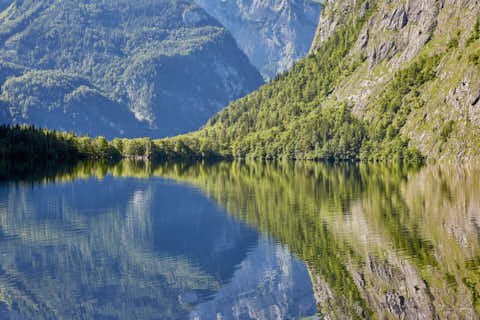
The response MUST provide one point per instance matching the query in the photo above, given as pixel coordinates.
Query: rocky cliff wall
(398, 33)
(273, 33)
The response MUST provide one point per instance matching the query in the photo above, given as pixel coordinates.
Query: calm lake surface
(240, 240)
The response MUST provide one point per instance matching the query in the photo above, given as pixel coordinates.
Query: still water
(236, 240)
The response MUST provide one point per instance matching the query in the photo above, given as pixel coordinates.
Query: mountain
(63, 101)
(384, 80)
(117, 68)
(273, 33)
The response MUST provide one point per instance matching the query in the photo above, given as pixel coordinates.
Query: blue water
(130, 248)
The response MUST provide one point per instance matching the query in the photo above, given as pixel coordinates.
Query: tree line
(26, 142)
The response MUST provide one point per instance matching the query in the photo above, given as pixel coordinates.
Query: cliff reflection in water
(379, 241)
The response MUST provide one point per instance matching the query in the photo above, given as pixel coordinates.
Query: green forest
(292, 117)
(25, 142)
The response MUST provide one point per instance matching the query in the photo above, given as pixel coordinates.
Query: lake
(240, 240)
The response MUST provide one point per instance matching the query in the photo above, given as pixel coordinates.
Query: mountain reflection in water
(89, 245)
(378, 241)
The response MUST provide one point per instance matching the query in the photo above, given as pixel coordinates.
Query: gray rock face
(273, 33)
(397, 33)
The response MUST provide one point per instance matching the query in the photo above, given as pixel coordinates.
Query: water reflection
(379, 242)
(88, 244)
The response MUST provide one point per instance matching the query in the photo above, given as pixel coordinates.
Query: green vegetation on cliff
(383, 83)
(285, 119)
(294, 117)
(393, 106)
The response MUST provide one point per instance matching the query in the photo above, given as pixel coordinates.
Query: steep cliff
(168, 62)
(273, 33)
(440, 117)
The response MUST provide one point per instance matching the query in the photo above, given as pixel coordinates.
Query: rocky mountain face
(273, 33)
(117, 68)
(443, 116)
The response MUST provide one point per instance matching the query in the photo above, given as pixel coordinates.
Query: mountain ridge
(168, 62)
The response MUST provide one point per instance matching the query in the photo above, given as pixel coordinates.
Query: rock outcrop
(273, 33)
(395, 35)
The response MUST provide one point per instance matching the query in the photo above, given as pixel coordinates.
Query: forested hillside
(117, 68)
(385, 80)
